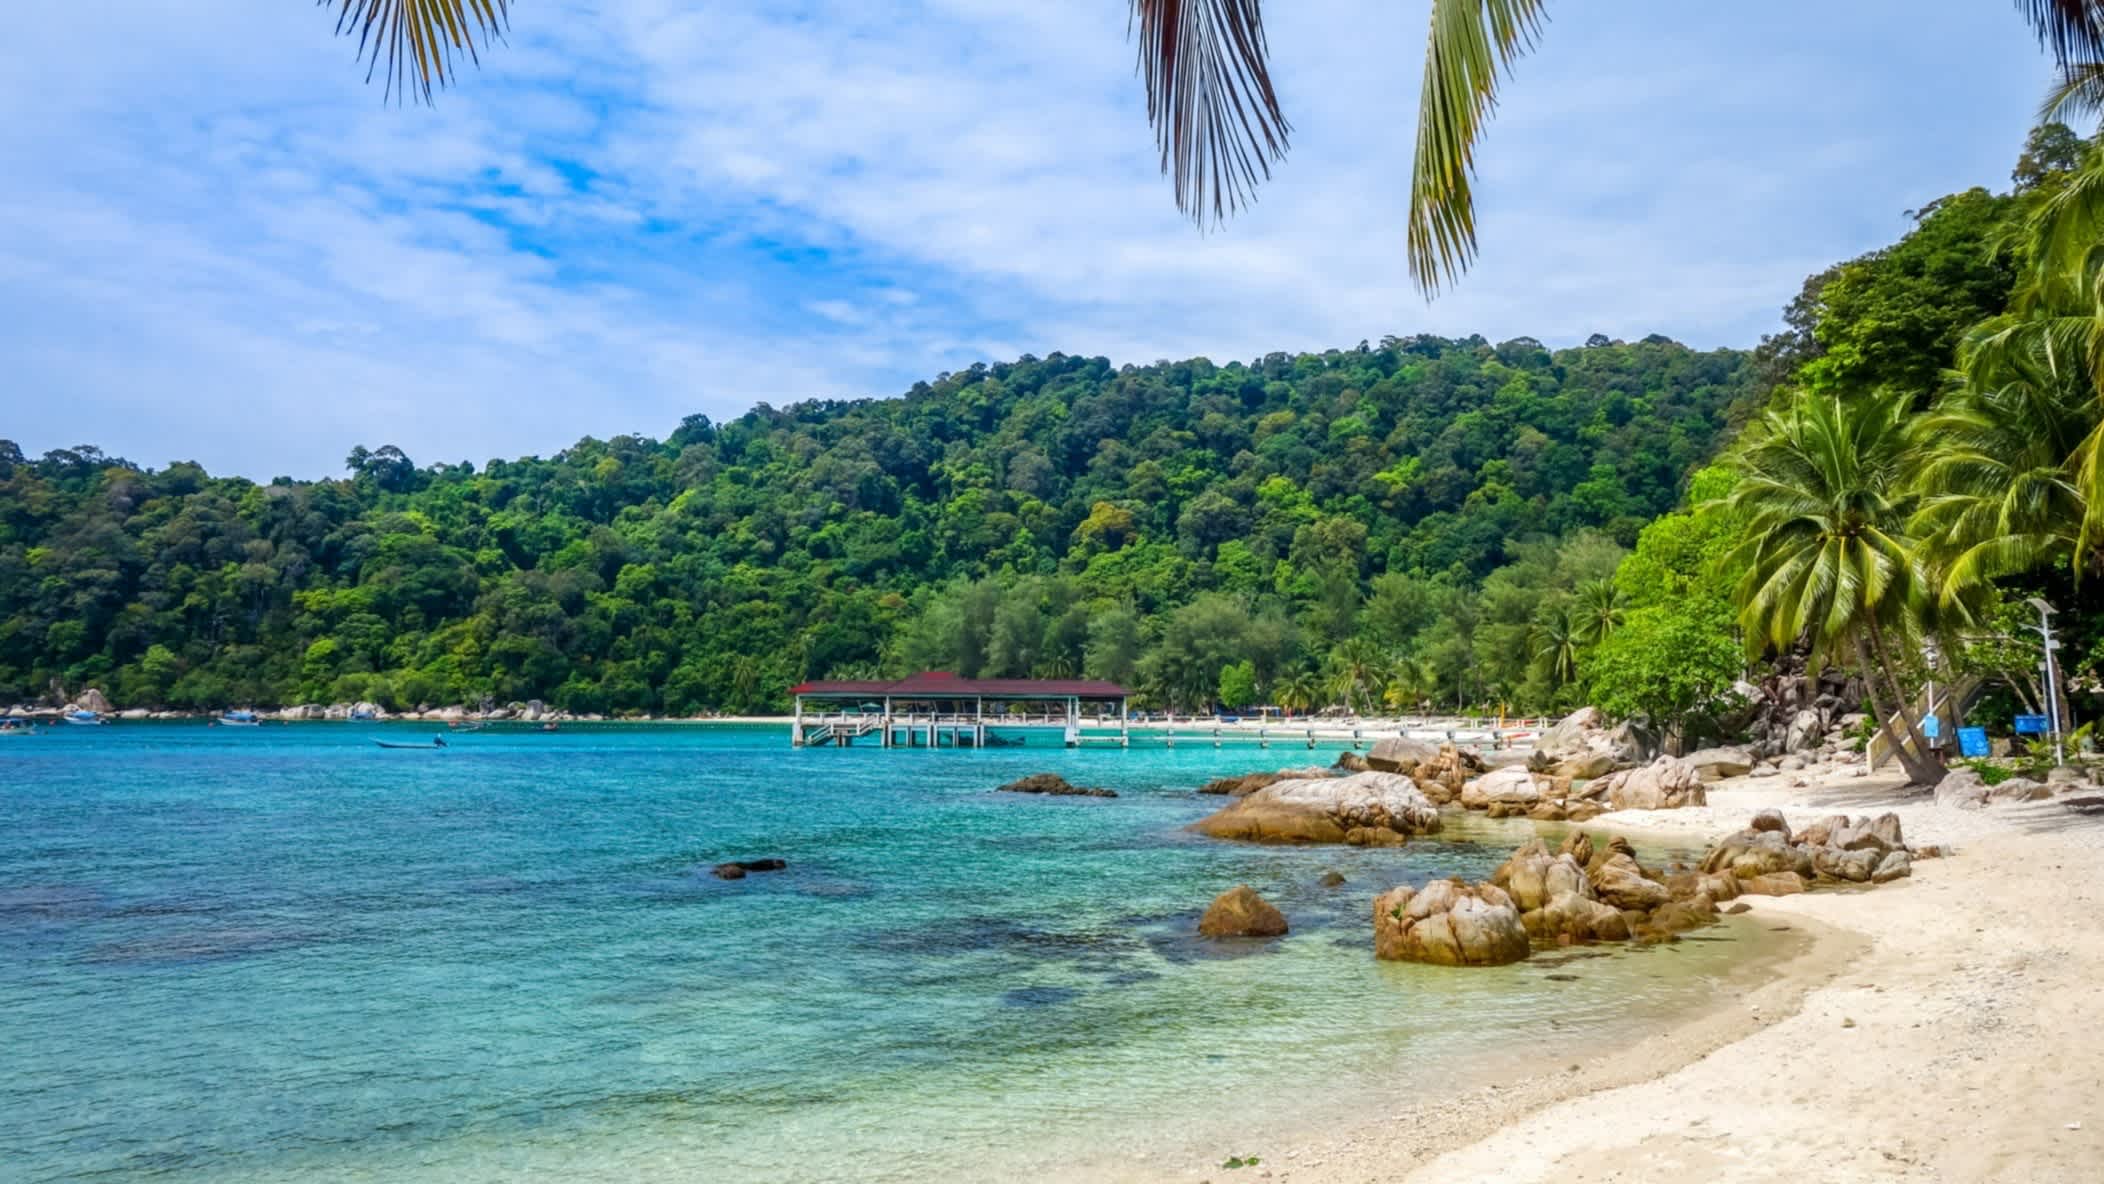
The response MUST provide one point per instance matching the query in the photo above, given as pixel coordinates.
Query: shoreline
(1881, 1050)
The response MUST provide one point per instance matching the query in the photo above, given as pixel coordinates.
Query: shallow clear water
(285, 953)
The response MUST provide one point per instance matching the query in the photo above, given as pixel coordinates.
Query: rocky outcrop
(1769, 858)
(1584, 766)
(93, 700)
(1572, 734)
(1512, 785)
(1715, 764)
(1448, 923)
(1441, 778)
(1324, 810)
(1055, 785)
(1665, 784)
(737, 869)
(1240, 912)
(1400, 754)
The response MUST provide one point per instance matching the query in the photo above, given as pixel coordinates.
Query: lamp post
(2045, 634)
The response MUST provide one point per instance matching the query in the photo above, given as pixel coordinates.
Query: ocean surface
(284, 953)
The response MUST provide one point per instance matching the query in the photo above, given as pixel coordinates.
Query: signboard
(2031, 725)
(1972, 742)
(1931, 727)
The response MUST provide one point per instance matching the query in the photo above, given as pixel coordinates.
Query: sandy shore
(1938, 1029)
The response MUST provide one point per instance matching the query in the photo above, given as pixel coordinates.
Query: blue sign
(2031, 725)
(1973, 742)
(1931, 727)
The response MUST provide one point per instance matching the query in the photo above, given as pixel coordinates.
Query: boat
(84, 718)
(17, 727)
(239, 719)
(436, 743)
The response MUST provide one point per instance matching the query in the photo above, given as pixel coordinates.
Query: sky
(219, 243)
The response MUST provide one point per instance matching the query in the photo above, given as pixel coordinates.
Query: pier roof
(939, 684)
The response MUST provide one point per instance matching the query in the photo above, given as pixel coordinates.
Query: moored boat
(84, 718)
(239, 719)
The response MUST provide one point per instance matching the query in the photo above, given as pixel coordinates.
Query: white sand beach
(1942, 1028)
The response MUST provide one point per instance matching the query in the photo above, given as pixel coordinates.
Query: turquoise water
(284, 953)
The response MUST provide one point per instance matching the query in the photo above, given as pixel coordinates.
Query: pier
(941, 710)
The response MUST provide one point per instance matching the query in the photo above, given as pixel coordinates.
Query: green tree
(1238, 685)
(1671, 664)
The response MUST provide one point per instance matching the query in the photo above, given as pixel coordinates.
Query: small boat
(437, 742)
(17, 727)
(239, 719)
(84, 718)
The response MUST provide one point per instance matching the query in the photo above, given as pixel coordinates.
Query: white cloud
(642, 208)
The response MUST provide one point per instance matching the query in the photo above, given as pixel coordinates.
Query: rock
(1579, 846)
(1820, 832)
(1620, 882)
(1332, 879)
(1582, 811)
(736, 869)
(1736, 907)
(1352, 762)
(1571, 735)
(2063, 776)
(1372, 836)
(1859, 835)
(1512, 785)
(1569, 915)
(1630, 745)
(1791, 764)
(1441, 779)
(1054, 785)
(1584, 766)
(1851, 866)
(1664, 784)
(1961, 789)
(1714, 764)
(93, 700)
(1773, 884)
(1400, 754)
(1448, 923)
(1242, 786)
(1324, 809)
(1804, 731)
(1240, 912)
(1523, 874)
(1895, 865)
(2020, 789)
(1679, 916)
(1771, 819)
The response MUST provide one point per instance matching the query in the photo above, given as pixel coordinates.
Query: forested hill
(1160, 524)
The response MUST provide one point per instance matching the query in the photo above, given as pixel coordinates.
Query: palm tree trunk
(1922, 769)
(1877, 706)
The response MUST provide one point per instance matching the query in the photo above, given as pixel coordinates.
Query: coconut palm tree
(1599, 610)
(1825, 497)
(1356, 669)
(1300, 693)
(1555, 638)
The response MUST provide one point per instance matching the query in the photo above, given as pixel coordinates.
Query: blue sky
(217, 243)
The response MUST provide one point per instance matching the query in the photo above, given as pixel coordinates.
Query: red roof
(940, 684)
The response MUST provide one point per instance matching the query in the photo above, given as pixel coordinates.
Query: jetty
(937, 709)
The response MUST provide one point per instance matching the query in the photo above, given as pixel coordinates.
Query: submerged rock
(1324, 810)
(1448, 923)
(1240, 912)
(1054, 785)
(736, 869)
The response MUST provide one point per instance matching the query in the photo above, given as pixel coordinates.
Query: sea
(285, 953)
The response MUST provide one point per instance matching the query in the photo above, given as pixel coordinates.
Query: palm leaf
(2072, 30)
(1471, 44)
(1210, 99)
(419, 40)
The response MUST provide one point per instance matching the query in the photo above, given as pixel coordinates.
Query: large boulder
(1630, 744)
(1512, 785)
(1775, 884)
(1532, 876)
(1575, 917)
(1054, 785)
(1442, 777)
(1400, 754)
(1805, 730)
(1448, 923)
(93, 700)
(1664, 784)
(1324, 810)
(1573, 734)
(1715, 764)
(1620, 882)
(1962, 789)
(1240, 912)
(2020, 789)
(1584, 766)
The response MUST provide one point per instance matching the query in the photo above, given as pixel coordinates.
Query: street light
(2045, 633)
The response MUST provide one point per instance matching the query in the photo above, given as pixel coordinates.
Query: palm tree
(2000, 469)
(1824, 496)
(1600, 610)
(1300, 692)
(1356, 667)
(1556, 636)
(1411, 681)
(1216, 116)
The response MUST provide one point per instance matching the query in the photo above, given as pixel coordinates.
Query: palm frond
(1215, 113)
(419, 40)
(2071, 30)
(2077, 94)
(1471, 44)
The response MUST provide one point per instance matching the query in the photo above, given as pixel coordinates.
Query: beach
(1937, 1029)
